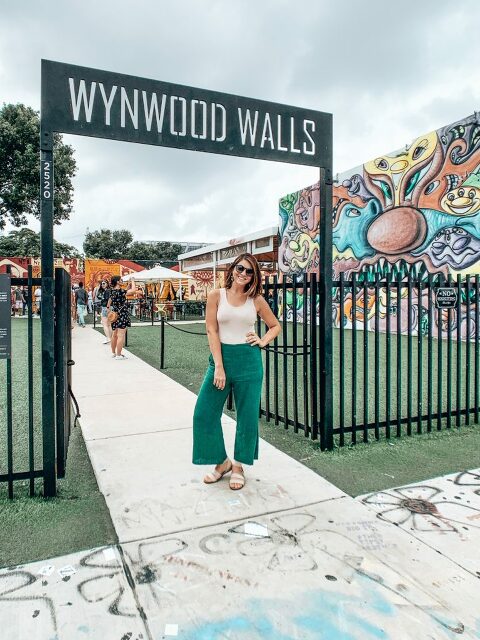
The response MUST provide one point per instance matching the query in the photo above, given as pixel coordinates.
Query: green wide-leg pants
(244, 374)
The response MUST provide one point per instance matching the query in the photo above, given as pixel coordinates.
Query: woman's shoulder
(214, 294)
(259, 300)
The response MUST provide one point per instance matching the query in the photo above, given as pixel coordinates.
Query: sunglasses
(240, 269)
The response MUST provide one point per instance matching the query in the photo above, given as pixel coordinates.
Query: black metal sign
(91, 102)
(445, 298)
(5, 317)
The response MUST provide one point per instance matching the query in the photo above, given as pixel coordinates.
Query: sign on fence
(5, 317)
(445, 297)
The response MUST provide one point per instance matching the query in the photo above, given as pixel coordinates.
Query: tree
(26, 243)
(107, 244)
(117, 245)
(154, 252)
(20, 168)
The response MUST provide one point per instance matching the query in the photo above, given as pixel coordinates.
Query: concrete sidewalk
(289, 557)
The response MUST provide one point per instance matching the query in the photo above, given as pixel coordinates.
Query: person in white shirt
(38, 300)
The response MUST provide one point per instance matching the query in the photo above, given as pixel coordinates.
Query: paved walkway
(290, 557)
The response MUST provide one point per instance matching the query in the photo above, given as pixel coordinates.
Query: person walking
(235, 363)
(25, 300)
(118, 303)
(38, 301)
(81, 300)
(73, 304)
(18, 300)
(90, 302)
(103, 296)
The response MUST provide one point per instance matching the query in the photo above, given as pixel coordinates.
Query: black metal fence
(151, 311)
(401, 365)
(21, 434)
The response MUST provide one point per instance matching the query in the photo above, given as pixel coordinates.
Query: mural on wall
(299, 231)
(415, 211)
(19, 267)
(203, 282)
(97, 270)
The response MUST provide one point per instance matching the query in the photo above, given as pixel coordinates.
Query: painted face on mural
(398, 180)
(307, 212)
(397, 176)
(462, 201)
(355, 186)
(454, 246)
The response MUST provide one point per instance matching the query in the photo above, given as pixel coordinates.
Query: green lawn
(34, 528)
(355, 469)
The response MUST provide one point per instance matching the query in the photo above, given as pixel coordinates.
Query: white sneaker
(106, 342)
(114, 355)
(122, 357)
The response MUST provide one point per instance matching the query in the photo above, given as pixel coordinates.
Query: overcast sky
(388, 71)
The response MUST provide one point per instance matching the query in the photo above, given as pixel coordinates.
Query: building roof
(262, 233)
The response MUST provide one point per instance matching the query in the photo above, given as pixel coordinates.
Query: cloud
(388, 72)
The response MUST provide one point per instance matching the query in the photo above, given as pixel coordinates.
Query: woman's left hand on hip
(253, 339)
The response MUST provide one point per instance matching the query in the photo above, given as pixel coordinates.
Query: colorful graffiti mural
(299, 231)
(415, 211)
(19, 267)
(203, 282)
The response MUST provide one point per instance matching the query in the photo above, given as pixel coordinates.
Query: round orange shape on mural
(397, 231)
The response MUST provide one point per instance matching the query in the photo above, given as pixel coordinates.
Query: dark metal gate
(63, 362)
(27, 436)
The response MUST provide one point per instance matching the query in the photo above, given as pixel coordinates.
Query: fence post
(47, 309)
(162, 343)
(325, 312)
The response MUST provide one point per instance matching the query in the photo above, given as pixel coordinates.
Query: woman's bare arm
(214, 338)
(270, 320)
(132, 288)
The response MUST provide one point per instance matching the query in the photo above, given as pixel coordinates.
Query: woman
(235, 363)
(118, 303)
(102, 297)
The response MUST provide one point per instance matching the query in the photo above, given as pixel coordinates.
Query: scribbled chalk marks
(425, 508)
(469, 479)
(53, 609)
(14, 588)
(102, 587)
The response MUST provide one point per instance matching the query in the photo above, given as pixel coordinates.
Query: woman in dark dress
(118, 303)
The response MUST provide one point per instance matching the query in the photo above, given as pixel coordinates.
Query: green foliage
(20, 168)
(107, 244)
(161, 251)
(115, 245)
(26, 243)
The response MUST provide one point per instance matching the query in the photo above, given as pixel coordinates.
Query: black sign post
(101, 104)
(446, 297)
(5, 317)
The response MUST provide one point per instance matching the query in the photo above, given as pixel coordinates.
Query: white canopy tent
(157, 274)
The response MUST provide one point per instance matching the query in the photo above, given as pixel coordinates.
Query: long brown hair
(254, 288)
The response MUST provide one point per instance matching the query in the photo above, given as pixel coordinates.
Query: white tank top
(235, 322)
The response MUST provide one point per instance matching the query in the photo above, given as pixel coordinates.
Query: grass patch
(35, 528)
(355, 469)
